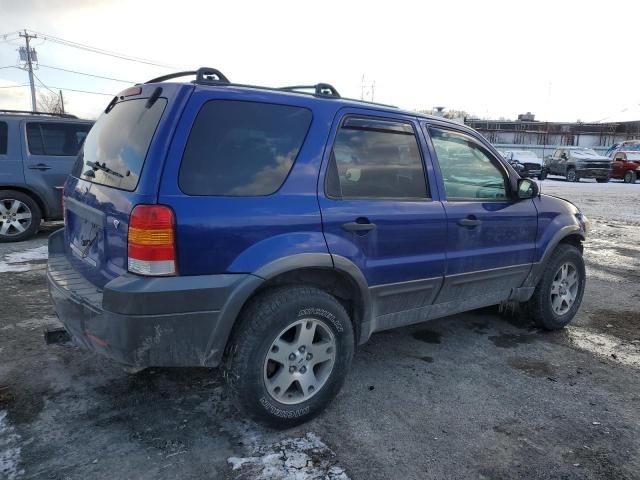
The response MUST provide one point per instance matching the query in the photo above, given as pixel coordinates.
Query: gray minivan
(37, 152)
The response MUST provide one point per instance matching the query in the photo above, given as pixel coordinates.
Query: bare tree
(49, 102)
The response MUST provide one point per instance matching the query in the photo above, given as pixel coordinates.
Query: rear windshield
(241, 148)
(115, 149)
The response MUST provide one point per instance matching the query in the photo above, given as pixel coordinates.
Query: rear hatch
(118, 167)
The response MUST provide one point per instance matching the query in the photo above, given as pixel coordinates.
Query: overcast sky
(562, 60)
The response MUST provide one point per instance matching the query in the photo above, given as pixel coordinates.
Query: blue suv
(271, 231)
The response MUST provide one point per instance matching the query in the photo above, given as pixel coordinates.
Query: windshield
(525, 155)
(585, 152)
(115, 149)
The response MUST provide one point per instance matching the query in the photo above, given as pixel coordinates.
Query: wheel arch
(335, 275)
(31, 193)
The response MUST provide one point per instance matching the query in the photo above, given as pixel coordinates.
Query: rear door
(379, 212)
(49, 153)
(491, 235)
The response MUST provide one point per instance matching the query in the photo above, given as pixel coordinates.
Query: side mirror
(527, 188)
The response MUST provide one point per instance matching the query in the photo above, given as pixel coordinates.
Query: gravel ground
(477, 395)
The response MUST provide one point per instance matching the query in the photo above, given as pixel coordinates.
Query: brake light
(152, 245)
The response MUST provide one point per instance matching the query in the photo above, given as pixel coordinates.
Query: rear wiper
(104, 168)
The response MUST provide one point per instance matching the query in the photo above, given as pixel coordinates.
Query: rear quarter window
(238, 148)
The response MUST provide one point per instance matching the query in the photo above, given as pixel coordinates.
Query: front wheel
(571, 175)
(559, 292)
(289, 355)
(542, 176)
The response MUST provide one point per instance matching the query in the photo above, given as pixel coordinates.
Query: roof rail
(203, 75)
(28, 112)
(320, 89)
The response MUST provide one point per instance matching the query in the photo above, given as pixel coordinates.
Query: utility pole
(61, 101)
(28, 53)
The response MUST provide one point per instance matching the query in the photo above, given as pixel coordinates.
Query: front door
(378, 214)
(491, 235)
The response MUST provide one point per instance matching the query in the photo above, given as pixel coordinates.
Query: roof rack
(203, 75)
(322, 89)
(213, 76)
(28, 112)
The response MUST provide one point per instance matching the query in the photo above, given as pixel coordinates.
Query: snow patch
(9, 451)
(303, 458)
(605, 346)
(18, 261)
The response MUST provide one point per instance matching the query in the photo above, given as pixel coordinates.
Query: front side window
(57, 139)
(240, 148)
(468, 169)
(4, 138)
(376, 159)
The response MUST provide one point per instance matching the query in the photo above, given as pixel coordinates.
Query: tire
(542, 176)
(20, 216)
(572, 176)
(542, 306)
(603, 180)
(272, 324)
(630, 176)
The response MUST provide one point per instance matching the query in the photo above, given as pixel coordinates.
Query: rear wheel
(542, 176)
(630, 176)
(559, 292)
(289, 355)
(571, 175)
(19, 216)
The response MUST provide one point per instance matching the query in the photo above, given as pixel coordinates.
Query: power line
(72, 89)
(101, 51)
(86, 74)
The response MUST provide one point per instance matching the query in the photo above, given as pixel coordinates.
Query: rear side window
(242, 148)
(115, 149)
(4, 138)
(57, 139)
(374, 158)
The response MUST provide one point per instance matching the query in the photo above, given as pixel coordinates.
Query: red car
(626, 165)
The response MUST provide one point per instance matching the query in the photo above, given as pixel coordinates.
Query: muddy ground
(476, 395)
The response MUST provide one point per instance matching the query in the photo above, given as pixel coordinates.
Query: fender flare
(538, 268)
(229, 312)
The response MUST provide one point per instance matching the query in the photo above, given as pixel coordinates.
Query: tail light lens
(152, 244)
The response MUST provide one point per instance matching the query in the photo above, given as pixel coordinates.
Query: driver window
(468, 169)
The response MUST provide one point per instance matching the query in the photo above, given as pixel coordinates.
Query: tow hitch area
(56, 336)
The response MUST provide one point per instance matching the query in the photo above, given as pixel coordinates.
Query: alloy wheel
(564, 288)
(15, 217)
(299, 361)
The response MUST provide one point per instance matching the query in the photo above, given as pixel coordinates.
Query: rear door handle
(469, 222)
(40, 166)
(358, 227)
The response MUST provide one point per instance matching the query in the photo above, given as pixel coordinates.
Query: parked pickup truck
(526, 163)
(626, 166)
(272, 231)
(575, 163)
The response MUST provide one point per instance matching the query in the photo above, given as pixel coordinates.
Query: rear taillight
(152, 241)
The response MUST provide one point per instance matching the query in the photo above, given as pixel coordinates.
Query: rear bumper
(144, 322)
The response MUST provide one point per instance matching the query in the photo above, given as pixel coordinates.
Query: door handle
(358, 227)
(40, 166)
(469, 222)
